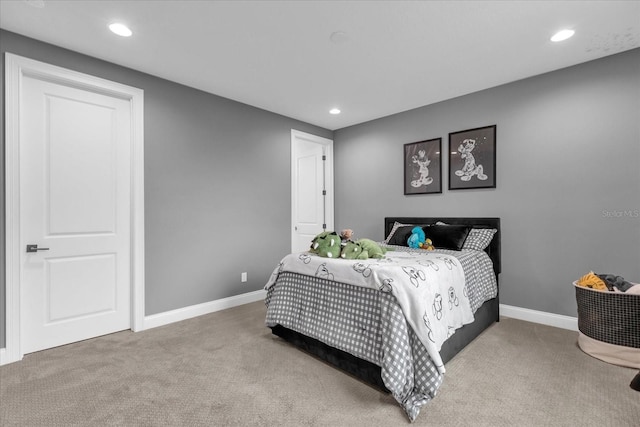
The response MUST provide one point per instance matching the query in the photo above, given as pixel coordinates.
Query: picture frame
(472, 158)
(423, 167)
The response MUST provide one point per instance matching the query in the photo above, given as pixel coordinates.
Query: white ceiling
(278, 55)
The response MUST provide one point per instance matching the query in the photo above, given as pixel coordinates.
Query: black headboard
(493, 250)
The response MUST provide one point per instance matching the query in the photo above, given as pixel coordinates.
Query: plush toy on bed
(428, 245)
(353, 250)
(417, 238)
(346, 234)
(326, 244)
(374, 249)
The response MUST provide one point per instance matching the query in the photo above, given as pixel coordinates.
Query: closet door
(311, 188)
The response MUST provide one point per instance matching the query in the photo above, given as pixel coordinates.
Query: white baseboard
(535, 316)
(161, 319)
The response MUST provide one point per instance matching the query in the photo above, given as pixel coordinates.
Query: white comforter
(429, 287)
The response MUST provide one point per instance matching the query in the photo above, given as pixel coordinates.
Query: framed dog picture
(423, 167)
(472, 158)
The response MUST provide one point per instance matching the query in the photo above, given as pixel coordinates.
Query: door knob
(35, 248)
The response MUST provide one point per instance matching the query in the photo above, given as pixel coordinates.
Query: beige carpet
(226, 369)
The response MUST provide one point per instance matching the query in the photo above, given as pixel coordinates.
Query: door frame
(17, 67)
(329, 206)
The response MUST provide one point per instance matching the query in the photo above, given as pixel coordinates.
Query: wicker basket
(611, 318)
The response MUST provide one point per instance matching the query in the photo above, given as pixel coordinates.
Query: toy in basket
(609, 318)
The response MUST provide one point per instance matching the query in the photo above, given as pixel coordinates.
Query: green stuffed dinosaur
(374, 249)
(326, 244)
(353, 250)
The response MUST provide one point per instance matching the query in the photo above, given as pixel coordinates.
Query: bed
(380, 325)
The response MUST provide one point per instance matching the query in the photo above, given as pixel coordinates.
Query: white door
(311, 188)
(75, 175)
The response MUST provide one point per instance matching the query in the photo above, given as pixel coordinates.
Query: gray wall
(217, 184)
(568, 169)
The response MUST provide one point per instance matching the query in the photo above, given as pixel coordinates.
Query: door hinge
(324, 226)
(324, 192)
(324, 157)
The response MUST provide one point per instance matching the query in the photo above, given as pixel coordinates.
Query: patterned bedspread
(392, 312)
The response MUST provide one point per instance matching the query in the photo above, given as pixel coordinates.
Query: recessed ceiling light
(120, 29)
(334, 111)
(562, 35)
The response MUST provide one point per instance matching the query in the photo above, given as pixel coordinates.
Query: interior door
(312, 188)
(75, 184)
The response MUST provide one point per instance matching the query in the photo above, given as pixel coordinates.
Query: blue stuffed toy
(417, 238)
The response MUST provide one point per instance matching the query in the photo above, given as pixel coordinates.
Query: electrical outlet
(243, 277)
